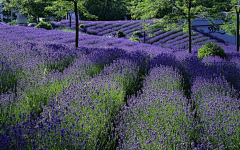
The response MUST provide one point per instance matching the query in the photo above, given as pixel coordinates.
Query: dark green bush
(82, 26)
(138, 33)
(120, 34)
(44, 25)
(211, 49)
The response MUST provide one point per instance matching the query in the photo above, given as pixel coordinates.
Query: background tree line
(102, 9)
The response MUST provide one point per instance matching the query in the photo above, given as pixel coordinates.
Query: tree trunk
(70, 16)
(76, 20)
(237, 36)
(189, 28)
(144, 39)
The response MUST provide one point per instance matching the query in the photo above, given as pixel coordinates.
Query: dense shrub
(120, 34)
(135, 39)
(81, 26)
(211, 49)
(138, 33)
(44, 25)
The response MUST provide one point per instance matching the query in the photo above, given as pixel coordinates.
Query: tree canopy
(34, 8)
(45, 8)
(229, 20)
(107, 9)
(185, 11)
(148, 9)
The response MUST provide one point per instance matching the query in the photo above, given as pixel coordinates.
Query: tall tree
(75, 4)
(184, 13)
(76, 20)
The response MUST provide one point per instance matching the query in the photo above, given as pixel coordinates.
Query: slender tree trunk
(70, 16)
(237, 36)
(76, 20)
(144, 39)
(61, 10)
(189, 28)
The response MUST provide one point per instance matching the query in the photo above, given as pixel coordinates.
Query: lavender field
(112, 93)
(175, 39)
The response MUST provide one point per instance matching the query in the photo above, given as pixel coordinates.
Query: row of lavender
(16, 33)
(25, 33)
(81, 84)
(171, 39)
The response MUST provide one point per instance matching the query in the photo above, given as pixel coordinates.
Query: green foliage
(214, 12)
(120, 34)
(14, 22)
(44, 25)
(46, 8)
(81, 26)
(228, 27)
(211, 49)
(28, 7)
(184, 13)
(138, 33)
(31, 20)
(106, 9)
(154, 9)
(214, 8)
(136, 39)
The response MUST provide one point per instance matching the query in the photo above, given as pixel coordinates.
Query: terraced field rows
(160, 38)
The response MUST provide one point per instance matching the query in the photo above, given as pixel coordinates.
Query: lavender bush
(159, 118)
(218, 112)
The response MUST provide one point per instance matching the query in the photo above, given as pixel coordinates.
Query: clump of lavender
(159, 118)
(218, 112)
